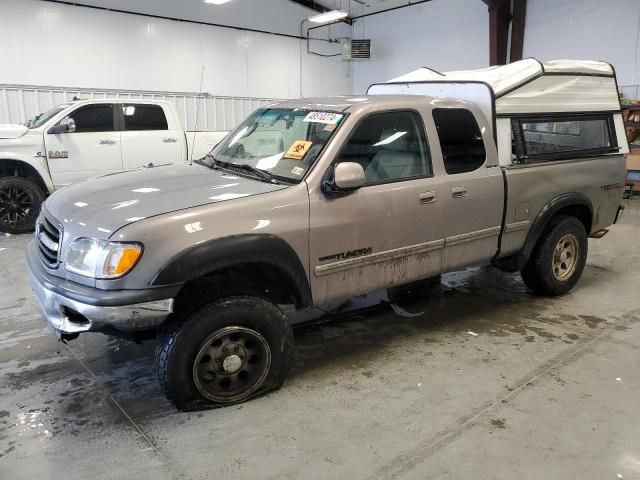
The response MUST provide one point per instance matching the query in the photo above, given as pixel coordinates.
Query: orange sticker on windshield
(298, 150)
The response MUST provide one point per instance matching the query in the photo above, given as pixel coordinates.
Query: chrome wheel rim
(232, 364)
(565, 257)
(17, 206)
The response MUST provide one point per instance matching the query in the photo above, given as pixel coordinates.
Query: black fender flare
(519, 260)
(212, 255)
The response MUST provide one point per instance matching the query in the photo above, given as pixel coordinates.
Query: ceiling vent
(353, 49)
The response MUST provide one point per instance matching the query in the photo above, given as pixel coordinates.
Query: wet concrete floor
(489, 382)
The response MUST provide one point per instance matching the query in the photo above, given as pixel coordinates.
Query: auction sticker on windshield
(298, 150)
(323, 117)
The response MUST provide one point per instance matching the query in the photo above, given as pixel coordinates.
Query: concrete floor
(489, 383)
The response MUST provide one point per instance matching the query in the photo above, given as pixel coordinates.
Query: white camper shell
(545, 103)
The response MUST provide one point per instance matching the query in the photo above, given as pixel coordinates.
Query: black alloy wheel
(20, 203)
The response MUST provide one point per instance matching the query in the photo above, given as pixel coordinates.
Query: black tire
(542, 273)
(260, 322)
(20, 203)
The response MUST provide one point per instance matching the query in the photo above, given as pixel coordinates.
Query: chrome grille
(48, 234)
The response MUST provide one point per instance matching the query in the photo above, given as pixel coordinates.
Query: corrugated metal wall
(631, 91)
(21, 102)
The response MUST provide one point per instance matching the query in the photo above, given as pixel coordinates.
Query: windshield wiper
(243, 166)
(261, 173)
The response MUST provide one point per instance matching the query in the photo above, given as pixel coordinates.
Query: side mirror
(66, 125)
(347, 176)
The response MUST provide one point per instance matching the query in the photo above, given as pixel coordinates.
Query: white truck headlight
(102, 259)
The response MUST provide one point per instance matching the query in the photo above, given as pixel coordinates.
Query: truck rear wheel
(229, 351)
(20, 203)
(558, 259)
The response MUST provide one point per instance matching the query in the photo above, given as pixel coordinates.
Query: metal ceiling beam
(499, 20)
(517, 30)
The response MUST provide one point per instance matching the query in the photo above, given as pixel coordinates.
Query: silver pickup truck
(316, 200)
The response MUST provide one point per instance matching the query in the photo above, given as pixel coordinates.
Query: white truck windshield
(44, 117)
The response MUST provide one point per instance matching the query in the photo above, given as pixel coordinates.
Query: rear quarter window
(144, 117)
(461, 142)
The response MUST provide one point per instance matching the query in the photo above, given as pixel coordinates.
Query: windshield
(284, 142)
(42, 118)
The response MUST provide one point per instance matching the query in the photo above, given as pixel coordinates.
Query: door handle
(428, 197)
(107, 142)
(169, 140)
(458, 192)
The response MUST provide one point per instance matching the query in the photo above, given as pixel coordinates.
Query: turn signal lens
(121, 260)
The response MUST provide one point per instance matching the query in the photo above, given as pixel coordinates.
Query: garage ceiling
(198, 10)
(257, 15)
(357, 8)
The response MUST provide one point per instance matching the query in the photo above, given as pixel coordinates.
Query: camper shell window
(549, 138)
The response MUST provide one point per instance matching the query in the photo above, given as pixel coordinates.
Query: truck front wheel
(558, 259)
(20, 203)
(227, 352)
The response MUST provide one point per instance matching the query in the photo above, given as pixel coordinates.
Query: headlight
(102, 259)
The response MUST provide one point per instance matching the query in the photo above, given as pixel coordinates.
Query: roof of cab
(114, 100)
(346, 103)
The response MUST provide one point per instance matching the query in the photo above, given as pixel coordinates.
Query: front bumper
(69, 308)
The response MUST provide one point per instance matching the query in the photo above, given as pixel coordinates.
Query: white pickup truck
(85, 138)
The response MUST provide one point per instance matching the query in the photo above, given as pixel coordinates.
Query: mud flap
(618, 213)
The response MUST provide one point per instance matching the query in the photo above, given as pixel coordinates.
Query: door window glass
(460, 140)
(144, 117)
(93, 118)
(389, 146)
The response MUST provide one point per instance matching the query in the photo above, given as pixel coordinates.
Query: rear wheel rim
(232, 363)
(565, 257)
(17, 206)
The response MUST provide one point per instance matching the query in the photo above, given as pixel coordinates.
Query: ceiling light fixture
(216, 2)
(331, 16)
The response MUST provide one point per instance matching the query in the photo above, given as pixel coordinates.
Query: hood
(100, 206)
(10, 130)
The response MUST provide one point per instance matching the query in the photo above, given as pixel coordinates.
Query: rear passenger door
(474, 189)
(147, 136)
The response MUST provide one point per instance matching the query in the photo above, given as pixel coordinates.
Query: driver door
(388, 232)
(92, 149)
